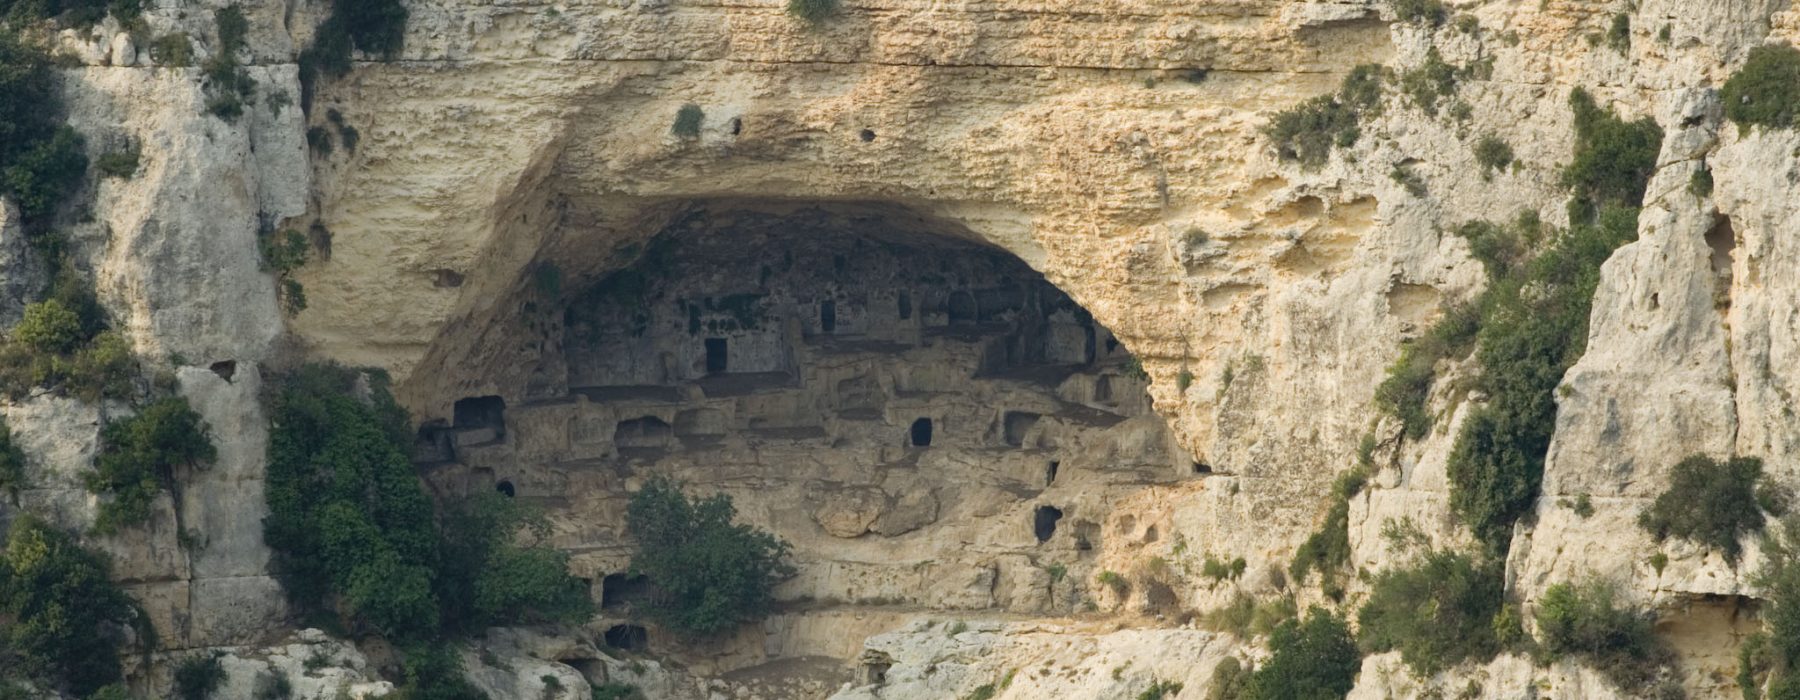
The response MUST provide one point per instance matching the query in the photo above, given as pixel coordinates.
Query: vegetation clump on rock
(710, 574)
(1766, 91)
(1714, 503)
(64, 617)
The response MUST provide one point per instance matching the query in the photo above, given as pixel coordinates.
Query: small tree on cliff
(709, 573)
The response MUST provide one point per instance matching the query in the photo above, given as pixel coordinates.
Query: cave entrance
(628, 637)
(717, 361)
(1043, 522)
(921, 433)
(839, 371)
(623, 591)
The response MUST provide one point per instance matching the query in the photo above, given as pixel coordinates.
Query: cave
(1043, 522)
(716, 357)
(505, 488)
(627, 637)
(479, 420)
(622, 591)
(843, 372)
(1016, 425)
(647, 431)
(920, 434)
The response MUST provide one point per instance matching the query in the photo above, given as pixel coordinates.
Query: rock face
(514, 158)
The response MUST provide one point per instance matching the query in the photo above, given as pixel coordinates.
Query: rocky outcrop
(1114, 150)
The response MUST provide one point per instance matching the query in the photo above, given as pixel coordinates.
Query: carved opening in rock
(1202, 468)
(446, 279)
(628, 637)
(828, 316)
(505, 488)
(1103, 389)
(867, 135)
(717, 361)
(737, 126)
(1043, 522)
(619, 592)
(648, 431)
(479, 420)
(903, 305)
(1018, 424)
(1086, 534)
(921, 433)
(961, 307)
(226, 369)
(1050, 472)
(1722, 240)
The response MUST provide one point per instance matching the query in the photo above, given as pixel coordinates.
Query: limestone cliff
(1112, 158)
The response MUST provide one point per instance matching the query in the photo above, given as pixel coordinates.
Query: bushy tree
(1766, 91)
(1584, 621)
(709, 573)
(64, 614)
(1314, 659)
(48, 327)
(1438, 612)
(493, 577)
(1613, 160)
(349, 522)
(1533, 328)
(1307, 132)
(140, 455)
(1712, 503)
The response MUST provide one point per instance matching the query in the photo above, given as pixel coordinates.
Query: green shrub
(1779, 579)
(373, 26)
(228, 86)
(1710, 503)
(1583, 622)
(120, 164)
(1160, 689)
(1431, 81)
(172, 50)
(813, 11)
(139, 456)
(48, 327)
(1766, 91)
(41, 160)
(348, 520)
(1229, 679)
(283, 253)
(198, 676)
(1406, 178)
(1533, 327)
(1700, 184)
(1492, 154)
(1314, 659)
(1618, 34)
(12, 462)
(273, 686)
(42, 175)
(1437, 613)
(1307, 132)
(1221, 570)
(687, 121)
(1328, 549)
(1404, 392)
(1431, 12)
(63, 610)
(1613, 160)
(434, 671)
(616, 691)
(490, 576)
(709, 573)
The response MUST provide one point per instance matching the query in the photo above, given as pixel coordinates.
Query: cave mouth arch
(704, 352)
